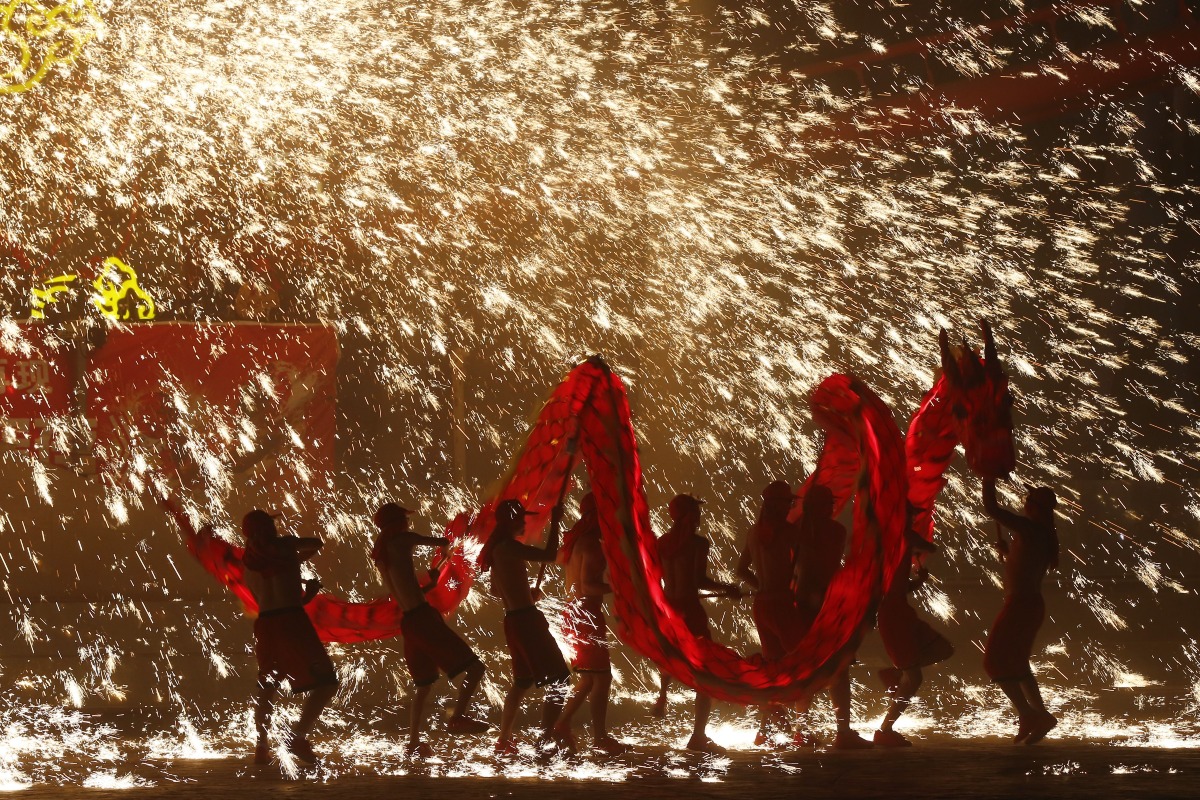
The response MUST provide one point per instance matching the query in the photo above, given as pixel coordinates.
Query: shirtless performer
(910, 642)
(585, 579)
(1027, 555)
(684, 556)
(429, 644)
(535, 655)
(285, 641)
(766, 566)
(822, 544)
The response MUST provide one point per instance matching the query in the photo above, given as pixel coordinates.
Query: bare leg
(771, 718)
(508, 714)
(471, 679)
(265, 703)
(910, 681)
(314, 704)
(700, 741)
(417, 714)
(598, 699)
(839, 693)
(1033, 693)
(1012, 688)
(554, 697)
(1036, 722)
(318, 697)
(660, 705)
(579, 696)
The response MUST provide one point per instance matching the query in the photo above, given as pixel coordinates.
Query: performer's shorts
(905, 635)
(430, 646)
(694, 616)
(1010, 642)
(780, 624)
(287, 647)
(588, 635)
(535, 655)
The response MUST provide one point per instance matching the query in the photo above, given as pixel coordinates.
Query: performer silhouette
(585, 579)
(766, 566)
(684, 555)
(1031, 551)
(910, 642)
(429, 644)
(822, 544)
(534, 653)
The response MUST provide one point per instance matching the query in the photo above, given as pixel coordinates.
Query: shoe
(564, 740)
(302, 750)
(850, 740)
(1039, 726)
(805, 741)
(262, 752)
(890, 678)
(703, 744)
(418, 751)
(890, 738)
(506, 749)
(466, 725)
(659, 709)
(609, 745)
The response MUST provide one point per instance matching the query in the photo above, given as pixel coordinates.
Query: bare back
(278, 585)
(819, 557)
(682, 574)
(584, 574)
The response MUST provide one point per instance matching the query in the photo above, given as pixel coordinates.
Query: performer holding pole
(430, 645)
(585, 579)
(684, 555)
(765, 565)
(534, 653)
(822, 544)
(1031, 551)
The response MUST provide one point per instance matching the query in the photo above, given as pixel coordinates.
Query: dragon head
(981, 403)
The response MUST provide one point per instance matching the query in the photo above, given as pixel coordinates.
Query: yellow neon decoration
(34, 37)
(116, 283)
(49, 294)
(110, 293)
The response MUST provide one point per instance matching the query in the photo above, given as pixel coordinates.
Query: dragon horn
(992, 360)
(949, 364)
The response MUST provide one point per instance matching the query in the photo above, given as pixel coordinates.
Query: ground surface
(932, 769)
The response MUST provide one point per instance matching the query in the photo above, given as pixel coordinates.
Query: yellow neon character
(34, 37)
(116, 285)
(110, 293)
(49, 293)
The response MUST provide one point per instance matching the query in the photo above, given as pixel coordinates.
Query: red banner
(258, 390)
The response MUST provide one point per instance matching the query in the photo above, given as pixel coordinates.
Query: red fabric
(534, 653)
(588, 418)
(779, 622)
(1010, 642)
(695, 618)
(587, 635)
(430, 646)
(905, 635)
(287, 647)
(970, 403)
(338, 620)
